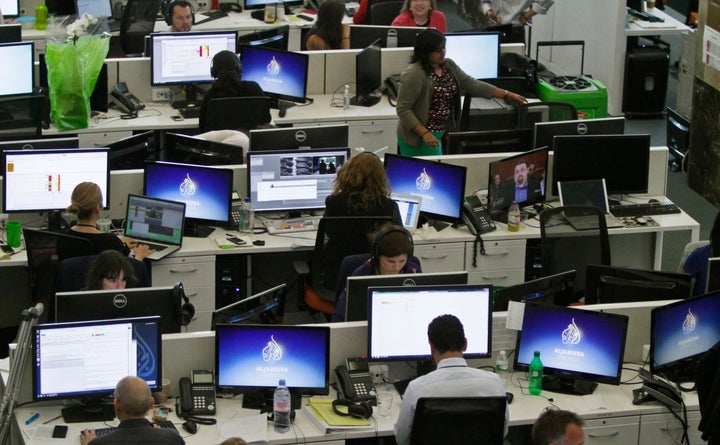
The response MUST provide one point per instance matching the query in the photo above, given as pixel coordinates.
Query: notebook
(590, 192)
(409, 206)
(159, 223)
(98, 9)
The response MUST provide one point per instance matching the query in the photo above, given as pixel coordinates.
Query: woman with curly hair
(328, 32)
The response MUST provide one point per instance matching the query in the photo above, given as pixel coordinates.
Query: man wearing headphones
(452, 378)
(391, 254)
(180, 16)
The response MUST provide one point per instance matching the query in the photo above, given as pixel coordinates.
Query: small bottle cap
(282, 381)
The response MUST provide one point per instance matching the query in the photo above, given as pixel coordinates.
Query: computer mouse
(510, 396)
(640, 220)
(653, 201)
(190, 426)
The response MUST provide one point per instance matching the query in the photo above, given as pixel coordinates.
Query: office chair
(384, 13)
(138, 21)
(235, 113)
(608, 284)
(72, 273)
(21, 117)
(530, 113)
(459, 421)
(563, 248)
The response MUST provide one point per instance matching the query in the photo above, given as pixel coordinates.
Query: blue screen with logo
(280, 74)
(574, 343)
(441, 185)
(258, 356)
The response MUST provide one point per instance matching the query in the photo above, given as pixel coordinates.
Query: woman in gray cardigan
(429, 95)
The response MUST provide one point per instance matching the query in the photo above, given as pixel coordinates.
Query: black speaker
(646, 79)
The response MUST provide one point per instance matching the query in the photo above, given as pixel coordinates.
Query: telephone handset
(354, 381)
(393, 86)
(476, 217)
(125, 100)
(197, 396)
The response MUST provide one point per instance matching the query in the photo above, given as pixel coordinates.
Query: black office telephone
(656, 389)
(393, 86)
(197, 397)
(476, 217)
(354, 381)
(124, 99)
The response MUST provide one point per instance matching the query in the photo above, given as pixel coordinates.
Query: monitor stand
(568, 386)
(365, 101)
(56, 222)
(437, 224)
(422, 367)
(191, 99)
(89, 411)
(263, 400)
(195, 230)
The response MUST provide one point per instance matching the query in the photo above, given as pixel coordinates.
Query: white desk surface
(668, 27)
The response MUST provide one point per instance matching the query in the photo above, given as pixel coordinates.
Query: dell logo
(300, 136)
(120, 301)
(582, 128)
(409, 282)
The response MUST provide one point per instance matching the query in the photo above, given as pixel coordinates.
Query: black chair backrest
(21, 117)
(138, 21)
(459, 421)
(235, 113)
(384, 13)
(72, 273)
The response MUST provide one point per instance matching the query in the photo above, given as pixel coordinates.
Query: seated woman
(392, 252)
(86, 202)
(422, 13)
(328, 32)
(110, 270)
(697, 262)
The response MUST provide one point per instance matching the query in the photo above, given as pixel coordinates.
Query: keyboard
(275, 226)
(100, 432)
(190, 113)
(210, 16)
(155, 247)
(644, 209)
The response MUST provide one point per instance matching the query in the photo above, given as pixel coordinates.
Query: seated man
(132, 402)
(558, 427)
(524, 187)
(180, 16)
(452, 378)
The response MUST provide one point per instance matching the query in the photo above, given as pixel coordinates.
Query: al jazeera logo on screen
(571, 337)
(272, 354)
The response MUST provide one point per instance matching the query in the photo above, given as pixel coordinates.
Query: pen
(51, 420)
(32, 418)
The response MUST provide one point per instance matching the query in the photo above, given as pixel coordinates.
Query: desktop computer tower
(231, 278)
(646, 79)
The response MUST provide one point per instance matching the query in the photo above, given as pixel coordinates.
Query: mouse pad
(629, 221)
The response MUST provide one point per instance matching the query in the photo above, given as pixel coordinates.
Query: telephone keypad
(361, 388)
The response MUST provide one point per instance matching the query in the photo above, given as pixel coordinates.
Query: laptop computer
(98, 9)
(159, 223)
(409, 206)
(590, 192)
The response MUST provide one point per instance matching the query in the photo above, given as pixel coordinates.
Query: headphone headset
(375, 248)
(360, 410)
(187, 310)
(215, 71)
(168, 12)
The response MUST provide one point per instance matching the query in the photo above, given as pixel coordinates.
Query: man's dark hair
(446, 333)
(179, 4)
(551, 426)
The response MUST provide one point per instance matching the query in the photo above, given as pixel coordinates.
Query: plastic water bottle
(281, 408)
(535, 375)
(513, 217)
(346, 97)
(41, 16)
(247, 218)
(501, 365)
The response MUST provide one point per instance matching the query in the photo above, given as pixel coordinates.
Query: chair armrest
(301, 267)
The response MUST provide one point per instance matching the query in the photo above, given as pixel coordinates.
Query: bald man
(558, 427)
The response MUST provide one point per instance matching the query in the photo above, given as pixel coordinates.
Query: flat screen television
(277, 37)
(623, 160)
(557, 289)
(43, 180)
(544, 132)
(612, 284)
(293, 180)
(251, 359)
(262, 308)
(578, 348)
(506, 174)
(185, 58)
(10, 33)
(680, 333)
(356, 289)
(194, 150)
(130, 153)
(400, 36)
(89, 305)
(484, 48)
(282, 75)
(441, 185)
(325, 136)
(368, 75)
(85, 361)
(398, 318)
(488, 141)
(18, 75)
(206, 192)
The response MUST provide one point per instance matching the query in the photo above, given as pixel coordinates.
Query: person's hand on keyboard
(86, 436)
(142, 250)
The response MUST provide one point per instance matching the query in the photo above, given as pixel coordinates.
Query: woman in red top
(421, 13)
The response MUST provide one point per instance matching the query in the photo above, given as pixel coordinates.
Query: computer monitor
(85, 361)
(206, 192)
(544, 132)
(10, 33)
(10, 8)
(609, 284)
(33, 144)
(43, 180)
(89, 305)
(325, 136)
(578, 348)
(262, 308)
(441, 185)
(398, 319)
(18, 75)
(356, 289)
(185, 58)
(400, 36)
(680, 333)
(623, 160)
(713, 275)
(260, 4)
(484, 48)
(96, 8)
(368, 75)
(488, 141)
(557, 289)
(293, 180)
(59, 7)
(194, 150)
(130, 153)
(529, 167)
(251, 359)
(277, 38)
(282, 75)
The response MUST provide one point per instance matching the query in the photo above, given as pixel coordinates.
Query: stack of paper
(321, 413)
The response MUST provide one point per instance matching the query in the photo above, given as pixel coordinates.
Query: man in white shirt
(516, 12)
(452, 378)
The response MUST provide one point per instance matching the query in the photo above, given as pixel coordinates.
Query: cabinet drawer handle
(378, 131)
(614, 433)
(497, 277)
(441, 257)
(183, 271)
(497, 253)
